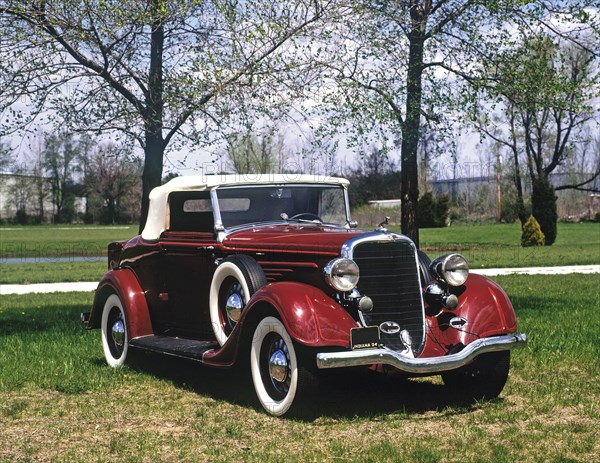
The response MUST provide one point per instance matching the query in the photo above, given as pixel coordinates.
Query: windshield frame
(223, 231)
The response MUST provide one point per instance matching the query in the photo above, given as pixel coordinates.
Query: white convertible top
(156, 222)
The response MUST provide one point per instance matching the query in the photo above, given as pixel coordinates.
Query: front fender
(124, 283)
(310, 316)
(487, 307)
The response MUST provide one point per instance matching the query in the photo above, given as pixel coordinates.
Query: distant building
(385, 203)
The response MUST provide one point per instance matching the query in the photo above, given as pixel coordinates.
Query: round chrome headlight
(451, 268)
(342, 274)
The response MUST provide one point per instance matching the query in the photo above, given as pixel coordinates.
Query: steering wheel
(306, 216)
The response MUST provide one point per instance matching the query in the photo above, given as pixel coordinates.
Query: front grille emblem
(389, 327)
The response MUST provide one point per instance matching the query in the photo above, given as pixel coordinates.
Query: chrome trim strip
(347, 204)
(396, 359)
(375, 236)
(219, 229)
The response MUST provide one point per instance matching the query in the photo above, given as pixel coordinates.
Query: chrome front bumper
(420, 365)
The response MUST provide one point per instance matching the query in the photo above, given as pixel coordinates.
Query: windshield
(295, 203)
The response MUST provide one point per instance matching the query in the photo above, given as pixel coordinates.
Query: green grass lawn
(57, 241)
(498, 245)
(51, 272)
(60, 402)
(51, 241)
(484, 246)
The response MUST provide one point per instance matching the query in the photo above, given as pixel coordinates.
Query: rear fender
(124, 284)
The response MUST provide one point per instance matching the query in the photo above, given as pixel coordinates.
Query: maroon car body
(271, 270)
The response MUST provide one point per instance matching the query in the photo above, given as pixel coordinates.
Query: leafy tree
(402, 63)
(20, 193)
(61, 154)
(159, 71)
(387, 61)
(250, 154)
(6, 159)
(113, 184)
(544, 90)
(38, 182)
(375, 177)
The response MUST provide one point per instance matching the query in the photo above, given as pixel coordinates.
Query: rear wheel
(114, 332)
(280, 379)
(483, 379)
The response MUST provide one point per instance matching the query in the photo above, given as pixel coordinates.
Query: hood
(291, 237)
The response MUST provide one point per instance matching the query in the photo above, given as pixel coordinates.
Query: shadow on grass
(342, 394)
(51, 317)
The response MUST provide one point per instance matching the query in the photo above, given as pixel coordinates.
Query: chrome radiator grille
(389, 275)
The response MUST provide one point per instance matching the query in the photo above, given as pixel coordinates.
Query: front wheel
(236, 279)
(114, 332)
(280, 380)
(484, 378)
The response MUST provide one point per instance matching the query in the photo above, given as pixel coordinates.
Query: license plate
(364, 338)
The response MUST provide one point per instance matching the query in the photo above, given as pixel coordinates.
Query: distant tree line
(68, 178)
(183, 73)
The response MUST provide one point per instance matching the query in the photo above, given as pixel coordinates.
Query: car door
(187, 247)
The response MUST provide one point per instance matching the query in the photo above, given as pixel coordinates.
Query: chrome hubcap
(118, 333)
(234, 306)
(278, 366)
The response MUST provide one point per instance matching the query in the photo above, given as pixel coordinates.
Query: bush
(21, 217)
(532, 233)
(432, 212)
(543, 208)
(509, 209)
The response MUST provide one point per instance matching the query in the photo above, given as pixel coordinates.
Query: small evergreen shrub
(543, 208)
(425, 211)
(532, 233)
(432, 212)
(22, 217)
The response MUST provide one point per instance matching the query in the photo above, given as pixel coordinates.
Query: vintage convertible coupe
(271, 270)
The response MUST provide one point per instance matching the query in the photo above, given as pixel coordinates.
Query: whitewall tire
(235, 280)
(280, 380)
(115, 342)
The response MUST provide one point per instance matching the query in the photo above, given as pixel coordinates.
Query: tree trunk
(520, 201)
(410, 129)
(153, 119)
(152, 173)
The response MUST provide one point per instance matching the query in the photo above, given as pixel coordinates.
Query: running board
(178, 347)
